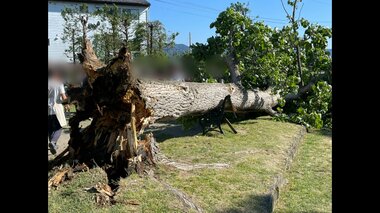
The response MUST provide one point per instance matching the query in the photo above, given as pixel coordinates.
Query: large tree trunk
(122, 106)
(171, 100)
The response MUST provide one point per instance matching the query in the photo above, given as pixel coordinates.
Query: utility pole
(150, 25)
(189, 41)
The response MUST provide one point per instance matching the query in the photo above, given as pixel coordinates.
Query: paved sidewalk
(64, 139)
(161, 132)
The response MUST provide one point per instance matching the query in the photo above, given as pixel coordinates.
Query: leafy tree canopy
(268, 57)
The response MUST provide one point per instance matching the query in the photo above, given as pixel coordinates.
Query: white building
(56, 47)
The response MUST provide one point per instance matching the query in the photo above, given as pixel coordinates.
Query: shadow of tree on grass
(258, 204)
(165, 131)
(253, 204)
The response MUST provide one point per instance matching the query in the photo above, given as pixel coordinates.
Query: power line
(188, 13)
(274, 22)
(179, 5)
(213, 9)
(201, 15)
(274, 19)
(284, 20)
(322, 2)
(269, 20)
(323, 21)
(198, 5)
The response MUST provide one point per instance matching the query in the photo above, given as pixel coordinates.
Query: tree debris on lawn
(60, 176)
(104, 194)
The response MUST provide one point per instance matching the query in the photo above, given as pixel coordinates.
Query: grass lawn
(309, 188)
(256, 155)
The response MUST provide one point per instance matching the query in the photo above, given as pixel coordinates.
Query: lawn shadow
(324, 132)
(167, 130)
(256, 204)
(253, 204)
(164, 131)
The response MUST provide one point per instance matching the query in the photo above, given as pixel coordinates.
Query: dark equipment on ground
(214, 118)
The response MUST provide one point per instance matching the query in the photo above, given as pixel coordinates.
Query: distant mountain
(178, 49)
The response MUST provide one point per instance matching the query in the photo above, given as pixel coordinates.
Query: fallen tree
(121, 106)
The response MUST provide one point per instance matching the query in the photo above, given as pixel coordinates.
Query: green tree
(158, 39)
(298, 67)
(293, 35)
(151, 38)
(114, 31)
(75, 28)
(239, 43)
(118, 28)
(310, 67)
(231, 27)
(139, 43)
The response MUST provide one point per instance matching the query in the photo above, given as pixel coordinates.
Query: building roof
(117, 2)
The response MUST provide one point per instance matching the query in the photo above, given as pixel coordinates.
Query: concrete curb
(280, 181)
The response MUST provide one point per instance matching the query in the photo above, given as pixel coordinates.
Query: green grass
(255, 155)
(151, 196)
(243, 187)
(71, 196)
(310, 183)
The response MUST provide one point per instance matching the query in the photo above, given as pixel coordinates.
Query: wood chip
(104, 189)
(59, 177)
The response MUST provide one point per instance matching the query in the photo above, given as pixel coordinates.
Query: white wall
(56, 49)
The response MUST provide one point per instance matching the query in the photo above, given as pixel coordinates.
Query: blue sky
(195, 16)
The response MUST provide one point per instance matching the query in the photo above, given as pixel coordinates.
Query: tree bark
(302, 91)
(171, 99)
(125, 32)
(234, 69)
(231, 62)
